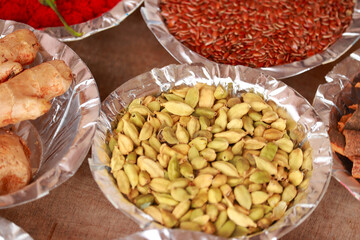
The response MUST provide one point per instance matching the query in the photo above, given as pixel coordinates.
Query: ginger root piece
(9, 69)
(15, 170)
(27, 95)
(19, 46)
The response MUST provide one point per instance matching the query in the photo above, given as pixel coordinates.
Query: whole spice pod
(229, 182)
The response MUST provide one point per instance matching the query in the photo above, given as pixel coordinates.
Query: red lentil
(257, 33)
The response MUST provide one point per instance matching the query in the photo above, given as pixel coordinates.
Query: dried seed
(154, 106)
(173, 169)
(235, 124)
(296, 159)
(272, 134)
(192, 97)
(212, 211)
(172, 97)
(122, 182)
(146, 131)
(131, 131)
(285, 144)
(144, 178)
(200, 199)
(178, 108)
(193, 126)
(269, 151)
(149, 151)
(144, 201)
(153, 168)
(132, 174)
(296, 177)
(181, 209)
(226, 168)
(243, 196)
(199, 163)
(205, 112)
(168, 135)
(254, 144)
(221, 120)
(242, 164)
(214, 195)
(141, 109)
(179, 194)
(160, 185)
(289, 193)
(125, 144)
(279, 210)
(199, 142)
(220, 92)
(274, 187)
(238, 111)
(187, 170)
(137, 119)
(260, 177)
(169, 219)
(154, 213)
(259, 197)
(164, 118)
(117, 160)
(265, 165)
(163, 198)
(209, 154)
(206, 98)
(181, 134)
(203, 180)
(222, 218)
(231, 136)
(256, 213)
(218, 144)
(226, 229)
(240, 218)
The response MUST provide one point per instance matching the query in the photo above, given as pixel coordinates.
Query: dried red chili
(257, 33)
(39, 16)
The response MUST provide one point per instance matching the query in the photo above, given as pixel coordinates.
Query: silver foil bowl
(154, 21)
(9, 230)
(107, 20)
(60, 139)
(325, 98)
(243, 78)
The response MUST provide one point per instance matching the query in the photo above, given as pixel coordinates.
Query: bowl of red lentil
(280, 38)
(85, 16)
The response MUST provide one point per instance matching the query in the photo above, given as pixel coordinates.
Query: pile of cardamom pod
(198, 158)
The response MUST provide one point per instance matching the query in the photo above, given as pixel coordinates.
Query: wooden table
(78, 209)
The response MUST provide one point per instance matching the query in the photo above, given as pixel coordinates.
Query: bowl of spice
(337, 103)
(49, 105)
(223, 150)
(280, 38)
(68, 20)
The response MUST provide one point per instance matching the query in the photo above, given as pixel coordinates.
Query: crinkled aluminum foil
(60, 139)
(151, 15)
(107, 20)
(243, 78)
(9, 230)
(339, 77)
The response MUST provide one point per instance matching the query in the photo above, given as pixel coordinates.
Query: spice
(257, 33)
(33, 13)
(200, 158)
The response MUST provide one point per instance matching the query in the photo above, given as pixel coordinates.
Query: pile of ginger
(25, 94)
